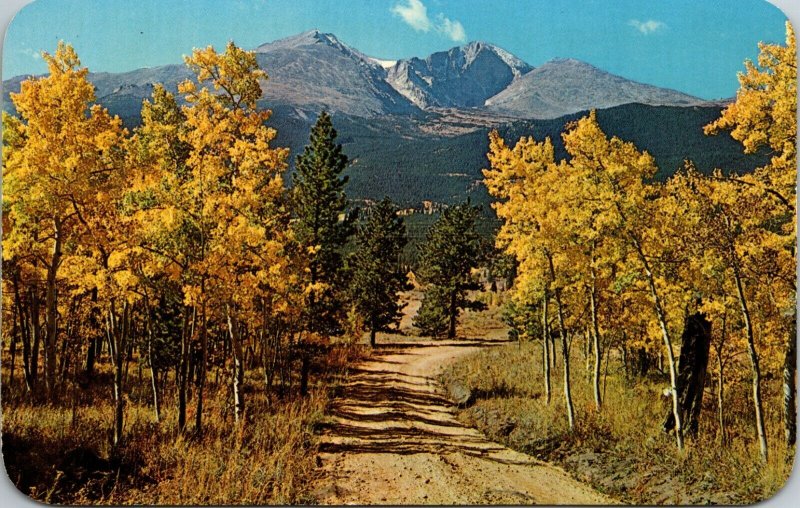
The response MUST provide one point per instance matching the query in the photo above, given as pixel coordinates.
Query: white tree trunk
(596, 341)
(562, 333)
(662, 321)
(754, 364)
(546, 347)
(238, 366)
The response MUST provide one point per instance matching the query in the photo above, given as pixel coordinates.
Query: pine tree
(453, 248)
(432, 318)
(377, 276)
(322, 226)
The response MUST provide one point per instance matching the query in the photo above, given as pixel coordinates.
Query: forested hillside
(391, 159)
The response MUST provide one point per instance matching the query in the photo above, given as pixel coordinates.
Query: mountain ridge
(314, 70)
(565, 85)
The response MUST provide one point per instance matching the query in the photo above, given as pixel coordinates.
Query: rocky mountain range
(315, 70)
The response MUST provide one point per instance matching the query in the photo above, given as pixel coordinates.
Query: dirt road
(395, 439)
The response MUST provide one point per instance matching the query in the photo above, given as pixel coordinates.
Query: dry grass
(622, 450)
(62, 453)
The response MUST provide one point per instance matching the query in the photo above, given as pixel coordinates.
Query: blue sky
(696, 46)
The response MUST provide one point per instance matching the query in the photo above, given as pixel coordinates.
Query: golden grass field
(622, 451)
(61, 453)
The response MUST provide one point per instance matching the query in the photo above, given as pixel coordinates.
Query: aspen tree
(764, 116)
(525, 178)
(55, 174)
(236, 178)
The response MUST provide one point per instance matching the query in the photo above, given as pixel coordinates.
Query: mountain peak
(314, 70)
(463, 76)
(570, 63)
(565, 85)
(307, 38)
(309, 35)
(325, 38)
(561, 60)
(475, 49)
(475, 46)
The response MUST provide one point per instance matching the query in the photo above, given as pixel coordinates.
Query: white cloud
(647, 27)
(31, 53)
(452, 29)
(415, 14)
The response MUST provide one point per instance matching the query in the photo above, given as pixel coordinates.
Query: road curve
(394, 439)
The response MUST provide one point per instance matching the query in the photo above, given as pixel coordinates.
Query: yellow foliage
(597, 225)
